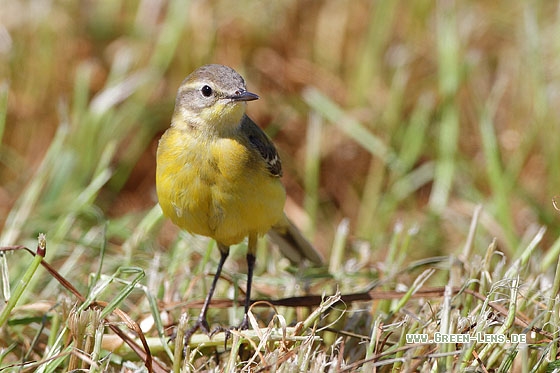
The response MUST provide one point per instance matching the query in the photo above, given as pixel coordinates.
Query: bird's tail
(292, 244)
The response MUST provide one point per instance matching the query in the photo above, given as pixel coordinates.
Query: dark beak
(244, 96)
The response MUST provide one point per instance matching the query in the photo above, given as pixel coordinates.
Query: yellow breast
(216, 187)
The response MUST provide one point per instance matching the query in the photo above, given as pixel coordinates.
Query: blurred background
(401, 116)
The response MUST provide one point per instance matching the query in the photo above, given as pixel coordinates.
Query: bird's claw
(200, 324)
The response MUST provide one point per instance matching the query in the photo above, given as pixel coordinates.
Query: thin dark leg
(201, 322)
(251, 250)
(250, 267)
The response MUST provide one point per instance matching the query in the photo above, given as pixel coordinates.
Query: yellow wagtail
(218, 174)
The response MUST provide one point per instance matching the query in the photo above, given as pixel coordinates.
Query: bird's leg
(201, 322)
(251, 249)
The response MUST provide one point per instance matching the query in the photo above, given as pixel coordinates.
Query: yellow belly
(216, 188)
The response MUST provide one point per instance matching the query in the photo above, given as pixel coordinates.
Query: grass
(419, 139)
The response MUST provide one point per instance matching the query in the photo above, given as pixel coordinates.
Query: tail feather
(292, 244)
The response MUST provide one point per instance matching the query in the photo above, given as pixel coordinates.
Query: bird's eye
(206, 91)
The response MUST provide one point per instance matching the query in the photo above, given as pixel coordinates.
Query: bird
(218, 175)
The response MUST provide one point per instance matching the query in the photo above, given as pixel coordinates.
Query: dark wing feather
(260, 141)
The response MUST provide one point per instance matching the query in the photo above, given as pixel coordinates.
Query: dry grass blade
(142, 352)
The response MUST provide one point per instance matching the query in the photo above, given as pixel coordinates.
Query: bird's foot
(200, 324)
(244, 323)
(227, 331)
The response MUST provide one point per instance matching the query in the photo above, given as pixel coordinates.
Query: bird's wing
(260, 141)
